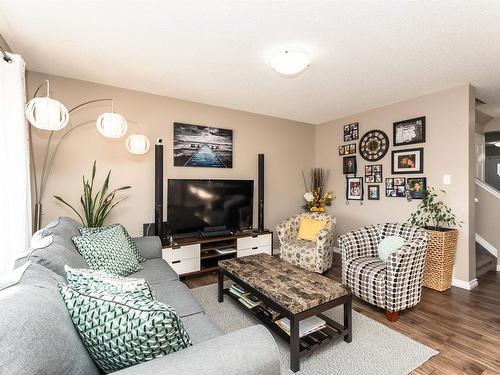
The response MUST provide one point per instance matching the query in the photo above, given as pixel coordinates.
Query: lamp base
(37, 220)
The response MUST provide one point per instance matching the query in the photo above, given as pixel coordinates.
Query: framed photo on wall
(416, 187)
(395, 187)
(374, 192)
(373, 173)
(406, 161)
(347, 149)
(349, 165)
(408, 132)
(351, 132)
(202, 146)
(354, 188)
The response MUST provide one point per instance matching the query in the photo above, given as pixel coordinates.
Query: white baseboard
(498, 267)
(491, 249)
(336, 250)
(468, 285)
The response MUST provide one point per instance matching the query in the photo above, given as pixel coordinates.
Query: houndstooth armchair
(313, 256)
(394, 285)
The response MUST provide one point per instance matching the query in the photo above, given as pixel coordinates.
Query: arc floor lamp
(49, 114)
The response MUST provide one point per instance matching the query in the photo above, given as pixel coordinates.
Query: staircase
(487, 233)
(485, 262)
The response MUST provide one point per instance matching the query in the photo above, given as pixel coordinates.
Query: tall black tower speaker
(159, 188)
(261, 193)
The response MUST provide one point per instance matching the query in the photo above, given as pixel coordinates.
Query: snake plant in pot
(438, 220)
(96, 204)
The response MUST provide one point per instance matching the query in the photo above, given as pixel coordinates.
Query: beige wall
(450, 127)
(288, 147)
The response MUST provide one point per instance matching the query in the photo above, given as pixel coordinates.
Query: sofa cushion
(84, 231)
(108, 281)
(121, 329)
(201, 328)
(55, 252)
(156, 271)
(366, 277)
(65, 227)
(108, 251)
(177, 295)
(37, 335)
(149, 246)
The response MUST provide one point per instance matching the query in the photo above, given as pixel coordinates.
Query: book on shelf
(237, 288)
(306, 326)
(237, 291)
(250, 301)
(244, 297)
(269, 313)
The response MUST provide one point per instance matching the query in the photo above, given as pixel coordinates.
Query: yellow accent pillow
(309, 228)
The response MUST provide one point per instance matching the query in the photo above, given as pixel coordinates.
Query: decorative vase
(440, 258)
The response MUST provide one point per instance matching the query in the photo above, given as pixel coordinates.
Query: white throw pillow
(388, 245)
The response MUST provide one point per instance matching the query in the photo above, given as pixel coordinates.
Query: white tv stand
(195, 256)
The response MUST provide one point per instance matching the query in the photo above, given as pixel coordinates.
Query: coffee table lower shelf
(308, 343)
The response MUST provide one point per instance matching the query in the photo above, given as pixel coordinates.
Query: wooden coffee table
(295, 293)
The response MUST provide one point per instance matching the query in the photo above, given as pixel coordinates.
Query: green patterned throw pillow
(122, 330)
(108, 250)
(108, 281)
(84, 231)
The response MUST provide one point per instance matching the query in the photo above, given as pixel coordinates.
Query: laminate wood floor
(464, 326)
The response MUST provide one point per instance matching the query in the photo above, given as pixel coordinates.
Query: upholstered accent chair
(395, 285)
(314, 256)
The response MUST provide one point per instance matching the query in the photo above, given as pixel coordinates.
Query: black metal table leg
(348, 320)
(220, 284)
(294, 345)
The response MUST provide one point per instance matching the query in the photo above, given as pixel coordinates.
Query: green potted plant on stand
(438, 220)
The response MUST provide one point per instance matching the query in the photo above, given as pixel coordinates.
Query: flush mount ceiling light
(137, 144)
(497, 144)
(290, 61)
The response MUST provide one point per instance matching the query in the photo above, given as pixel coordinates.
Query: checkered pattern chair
(313, 256)
(394, 285)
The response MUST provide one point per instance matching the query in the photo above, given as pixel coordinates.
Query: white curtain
(15, 194)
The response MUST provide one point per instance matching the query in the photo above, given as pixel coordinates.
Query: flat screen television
(197, 205)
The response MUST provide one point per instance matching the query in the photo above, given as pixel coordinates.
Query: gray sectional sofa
(37, 335)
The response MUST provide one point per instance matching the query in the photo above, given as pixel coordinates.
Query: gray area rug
(375, 349)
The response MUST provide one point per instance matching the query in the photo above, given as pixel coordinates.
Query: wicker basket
(440, 258)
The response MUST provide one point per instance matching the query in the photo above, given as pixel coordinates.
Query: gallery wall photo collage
(373, 145)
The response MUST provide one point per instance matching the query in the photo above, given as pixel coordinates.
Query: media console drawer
(254, 241)
(255, 250)
(181, 253)
(185, 265)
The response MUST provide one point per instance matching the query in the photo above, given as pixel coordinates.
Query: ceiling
(365, 54)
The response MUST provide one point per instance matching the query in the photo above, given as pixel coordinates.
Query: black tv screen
(194, 205)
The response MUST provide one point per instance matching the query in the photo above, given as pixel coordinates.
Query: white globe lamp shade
(46, 113)
(137, 144)
(290, 61)
(111, 125)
